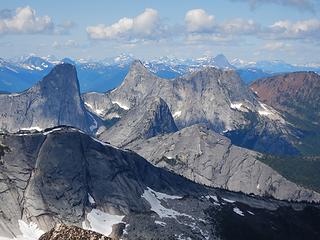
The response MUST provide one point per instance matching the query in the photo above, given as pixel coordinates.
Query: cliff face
(150, 119)
(206, 157)
(53, 101)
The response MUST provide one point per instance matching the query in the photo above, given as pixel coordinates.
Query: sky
(252, 30)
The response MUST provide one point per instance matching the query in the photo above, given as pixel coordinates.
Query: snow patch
(212, 197)
(51, 131)
(91, 199)
(177, 114)
(251, 213)
(238, 211)
(122, 105)
(35, 128)
(160, 223)
(270, 112)
(228, 200)
(29, 232)
(153, 198)
(97, 111)
(101, 222)
(238, 106)
(265, 111)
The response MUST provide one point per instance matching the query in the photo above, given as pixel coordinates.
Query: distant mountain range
(19, 74)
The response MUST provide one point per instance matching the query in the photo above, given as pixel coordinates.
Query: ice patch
(177, 114)
(123, 106)
(101, 222)
(238, 211)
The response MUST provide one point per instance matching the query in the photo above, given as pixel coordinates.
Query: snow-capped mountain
(21, 73)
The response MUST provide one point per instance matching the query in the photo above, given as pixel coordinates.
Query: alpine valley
(162, 149)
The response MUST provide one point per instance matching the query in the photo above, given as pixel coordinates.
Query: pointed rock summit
(149, 119)
(55, 100)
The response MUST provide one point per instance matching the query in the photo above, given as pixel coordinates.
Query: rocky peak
(221, 61)
(137, 66)
(62, 76)
(53, 101)
(150, 118)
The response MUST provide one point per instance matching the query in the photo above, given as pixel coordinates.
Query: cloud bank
(146, 25)
(24, 20)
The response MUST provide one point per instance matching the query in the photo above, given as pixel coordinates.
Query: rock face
(294, 93)
(206, 157)
(47, 178)
(53, 101)
(149, 119)
(297, 97)
(211, 96)
(205, 96)
(65, 176)
(64, 232)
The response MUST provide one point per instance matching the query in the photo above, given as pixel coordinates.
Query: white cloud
(276, 46)
(305, 29)
(25, 20)
(67, 44)
(308, 5)
(197, 20)
(144, 26)
(240, 26)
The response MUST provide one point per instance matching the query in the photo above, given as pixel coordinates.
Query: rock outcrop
(64, 232)
(206, 157)
(53, 101)
(149, 119)
(214, 97)
(62, 175)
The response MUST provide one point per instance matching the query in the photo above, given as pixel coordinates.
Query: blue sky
(247, 29)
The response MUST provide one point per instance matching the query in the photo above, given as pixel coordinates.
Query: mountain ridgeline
(214, 97)
(197, 152)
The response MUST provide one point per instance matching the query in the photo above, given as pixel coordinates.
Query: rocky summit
(53, 101)
(151, 118)
(214, 97)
